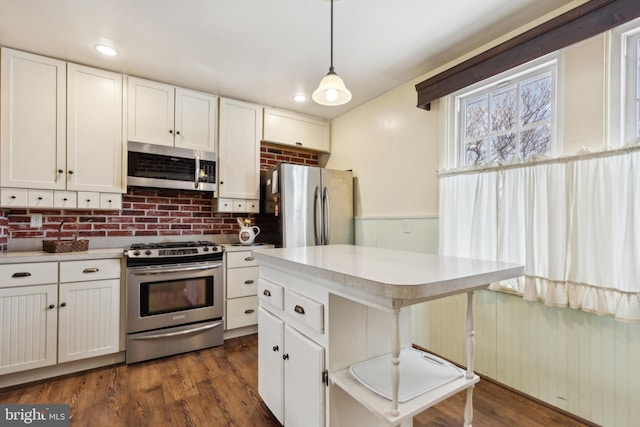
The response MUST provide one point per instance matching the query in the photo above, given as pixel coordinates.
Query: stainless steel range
(174, 298)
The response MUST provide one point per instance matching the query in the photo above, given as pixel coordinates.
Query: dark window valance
(587, 20)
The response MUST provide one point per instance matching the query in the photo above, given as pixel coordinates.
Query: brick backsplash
(145, 212)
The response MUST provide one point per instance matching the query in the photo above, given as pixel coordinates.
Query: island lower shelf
(381, 406)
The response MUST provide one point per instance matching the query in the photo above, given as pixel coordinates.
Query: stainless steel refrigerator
(310, 205)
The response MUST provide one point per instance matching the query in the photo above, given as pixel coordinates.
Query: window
(512, 116)
(632, 81)
(624, 127)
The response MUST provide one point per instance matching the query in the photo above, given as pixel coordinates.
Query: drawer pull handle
(248, 282)
(298, 309)
(285, 356)
(266, 293)
(276, 348)
(91, 270)
(249, 258)
(249, 311)
(21, 274)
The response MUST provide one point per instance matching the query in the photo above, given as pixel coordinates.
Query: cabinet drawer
(270, 293)
(97, 269)
(305, 310)
(40, 198)
(110, 201)
(242, 312)
(88, 200)
(242, 282)
(239, 205)
(240, 259)
(253, 206)
(65, 199)
(28, 274)
(13, 197)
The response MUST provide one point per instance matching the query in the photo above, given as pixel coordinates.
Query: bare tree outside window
(510, 120)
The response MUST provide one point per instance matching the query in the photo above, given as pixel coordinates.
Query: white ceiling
(265, 51)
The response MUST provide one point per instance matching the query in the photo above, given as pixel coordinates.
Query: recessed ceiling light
(106, 50)
(300, 97)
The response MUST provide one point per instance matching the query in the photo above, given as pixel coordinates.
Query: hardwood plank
(219, 387)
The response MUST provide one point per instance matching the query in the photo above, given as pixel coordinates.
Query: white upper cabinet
(32, 121)
(61, 130)
(94, 129)
(165, 115)
(288, 128)
(239, 150)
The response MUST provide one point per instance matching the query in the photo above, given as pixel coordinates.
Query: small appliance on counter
(248, 232)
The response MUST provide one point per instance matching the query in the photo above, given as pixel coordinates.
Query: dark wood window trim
(587, 20)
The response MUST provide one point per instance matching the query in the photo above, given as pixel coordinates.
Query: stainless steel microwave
(160, 166)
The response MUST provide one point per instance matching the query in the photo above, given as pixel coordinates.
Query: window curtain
(574, 224)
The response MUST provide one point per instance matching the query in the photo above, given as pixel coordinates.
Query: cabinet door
(89, 319)
(94, 129)
(284, 127)
(28, 325)
(270, 363)
(150, 112)
(32, 89)
(303, 387)
(239, 150)
(195, 120)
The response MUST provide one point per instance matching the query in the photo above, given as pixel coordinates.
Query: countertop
(41, 256)
(408, 277)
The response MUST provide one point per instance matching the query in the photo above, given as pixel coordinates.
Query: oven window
(147, 165)
(175, 295)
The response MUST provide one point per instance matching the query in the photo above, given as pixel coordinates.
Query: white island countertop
(405, 277)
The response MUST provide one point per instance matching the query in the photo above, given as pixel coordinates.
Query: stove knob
(147, 252)
(136, 252)
(206, 249)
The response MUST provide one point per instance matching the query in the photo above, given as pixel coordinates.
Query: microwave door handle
(197, 177)
(326, 215)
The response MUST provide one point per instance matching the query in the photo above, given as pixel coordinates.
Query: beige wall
(392, 148)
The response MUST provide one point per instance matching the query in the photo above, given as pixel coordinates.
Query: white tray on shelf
(420, 373)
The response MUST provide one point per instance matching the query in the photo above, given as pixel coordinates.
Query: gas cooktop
(171, 252)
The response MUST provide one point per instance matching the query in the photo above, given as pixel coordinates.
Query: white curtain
(575, 226)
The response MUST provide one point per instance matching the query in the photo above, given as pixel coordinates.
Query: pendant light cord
(331, 50)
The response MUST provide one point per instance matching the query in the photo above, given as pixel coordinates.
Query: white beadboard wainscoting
(417, 234)
(576, 361)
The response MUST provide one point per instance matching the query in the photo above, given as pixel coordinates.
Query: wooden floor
(219, 387)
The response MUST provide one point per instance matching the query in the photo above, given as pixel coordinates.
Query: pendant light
(331, 90)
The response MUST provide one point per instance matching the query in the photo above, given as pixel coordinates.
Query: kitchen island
(330, 313)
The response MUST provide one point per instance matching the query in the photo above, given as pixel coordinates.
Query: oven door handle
(173, 334)
(144, 271)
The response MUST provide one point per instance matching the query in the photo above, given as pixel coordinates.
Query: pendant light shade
(331, 90)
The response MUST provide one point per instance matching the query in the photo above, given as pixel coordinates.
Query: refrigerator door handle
(326, 215)
(317, 216)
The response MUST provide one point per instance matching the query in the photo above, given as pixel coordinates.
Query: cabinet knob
(39, 198)
(221, 182)
(13, 197)
(298, 309)
(64, 199)
(298, 143)
(64, 304)
(276, 348)
(70, 172)
(177, 132)
(285, 356)
(266, 293)
(88, 200)
(52, 306)
(60, 171)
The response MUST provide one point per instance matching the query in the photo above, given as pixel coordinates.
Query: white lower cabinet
(54, 312)
(28, 327)
(291, 369)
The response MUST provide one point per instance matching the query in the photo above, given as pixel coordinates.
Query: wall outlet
(36, 220)
(406, 226)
